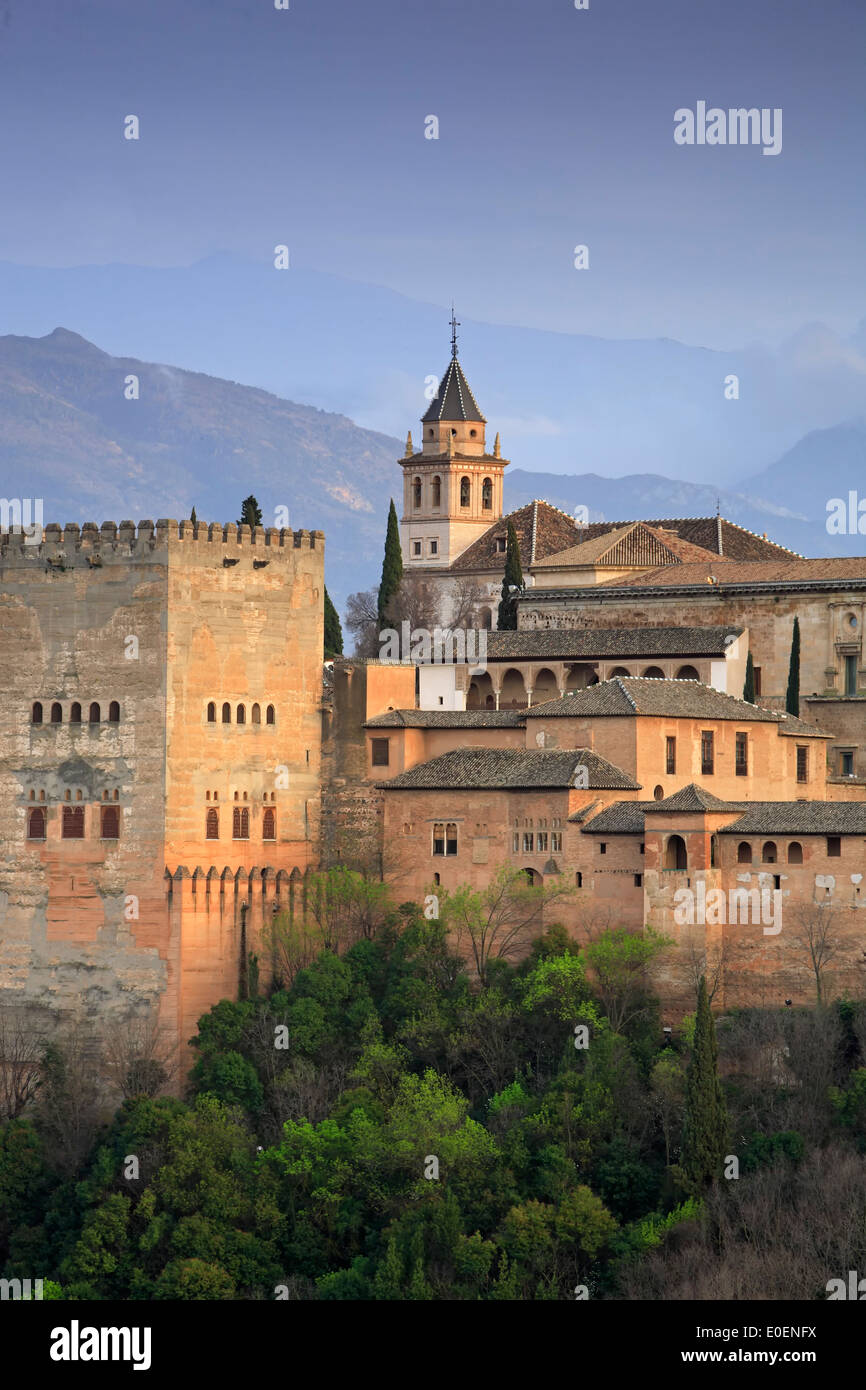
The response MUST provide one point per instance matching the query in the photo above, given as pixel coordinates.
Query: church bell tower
(452, 487)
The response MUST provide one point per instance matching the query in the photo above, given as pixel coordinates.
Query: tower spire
(455, 324)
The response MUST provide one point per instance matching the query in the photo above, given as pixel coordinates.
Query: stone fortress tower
(159, 760)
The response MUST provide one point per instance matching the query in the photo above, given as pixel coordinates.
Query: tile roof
(636, 544)
(447, 719)
(693, 798)
(454, 399)
(613, 641)
(786, 570)
(502, 768)
(622, 818)
(678, 699)
(545, 531)
(540, 529)
(800, 818)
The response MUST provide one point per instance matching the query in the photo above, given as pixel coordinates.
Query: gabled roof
(637, 544)
(678, 699)
(454, 399)
(579, 643)
(693, 798)
(447, 719)
(489, 769)
(541, 530)
(714, 533)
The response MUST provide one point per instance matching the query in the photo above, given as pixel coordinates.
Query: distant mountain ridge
(69, 435)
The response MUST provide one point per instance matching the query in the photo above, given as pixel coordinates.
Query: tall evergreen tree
(512, 583)
(333, 630)
(192, 516)
(749, 686)
(792, 699)
(705, 1123)
(251, 512)
(392, 566)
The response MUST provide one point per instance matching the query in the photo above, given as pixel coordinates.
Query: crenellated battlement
(65, 546)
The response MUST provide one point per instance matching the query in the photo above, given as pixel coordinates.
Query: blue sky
(306, 127)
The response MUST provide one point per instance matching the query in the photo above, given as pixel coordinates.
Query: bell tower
(452, 487)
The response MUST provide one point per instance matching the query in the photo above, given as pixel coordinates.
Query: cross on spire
(455, 324)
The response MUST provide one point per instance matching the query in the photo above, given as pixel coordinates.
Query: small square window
(379, 749)
(416, 547)
(638, 880)
(602, 849)
(834, 846)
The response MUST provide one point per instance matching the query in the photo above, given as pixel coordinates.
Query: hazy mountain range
(69, 434)
(563, 402)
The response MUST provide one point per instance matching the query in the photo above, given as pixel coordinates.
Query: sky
(306, 127)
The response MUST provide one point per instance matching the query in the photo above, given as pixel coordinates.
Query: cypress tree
(392, 566)
(749, 687)
(512, 583)
(792, 699)
(192, 516)
(251, 512)
(333, 630)
(705, 1123)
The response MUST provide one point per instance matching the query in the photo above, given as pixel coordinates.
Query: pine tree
(192, 516)
(251, 512)
(705, 1123)
(792, 699)
(333, 630)
(749, 687)
(392, 566)
(512, 583)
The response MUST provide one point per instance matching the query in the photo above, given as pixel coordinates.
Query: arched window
(533, 877)
(72, 827)
(486, 619)
(269, 824)
(654, 673)
(241, 717)
(110, 822)
(795, 852)
(211, 712)
(56, 713)
(768, 853)
(437, 492)
(465, 492)
(270, 715)
(744, 852)
(619, 671)
(212, 824)
(578, 879)
(36, 713)
(227, 713)
(416, 493)
(257, 714)
(114, 712)
(36, 824)
(75, 713)
(658, 793)
(487, 495)
(675, 853)
(94, 713)
(241, 823)
(687, 673)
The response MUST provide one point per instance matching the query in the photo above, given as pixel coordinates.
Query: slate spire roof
(454, 399)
